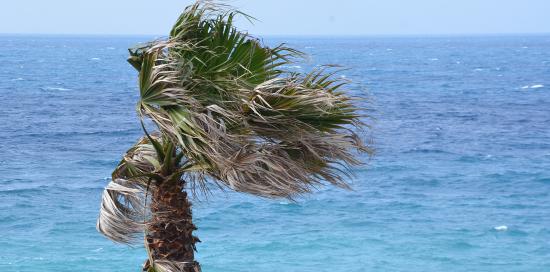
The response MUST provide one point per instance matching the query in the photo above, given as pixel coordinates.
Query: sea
(460, 180)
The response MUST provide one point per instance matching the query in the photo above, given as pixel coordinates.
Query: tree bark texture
(169, 236)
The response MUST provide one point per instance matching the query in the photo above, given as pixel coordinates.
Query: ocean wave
(34, 189)
(79, 133)
(474, 158)
(501, 228)
(543, 180)
(426, 151)
(5, 182)
(55, 89)
(535, 86)
(463, 245)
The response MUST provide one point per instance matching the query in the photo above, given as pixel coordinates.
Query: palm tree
(225, 113)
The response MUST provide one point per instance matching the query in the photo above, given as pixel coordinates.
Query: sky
(284, 17)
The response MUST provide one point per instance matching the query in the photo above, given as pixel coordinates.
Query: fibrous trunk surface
(169, 236)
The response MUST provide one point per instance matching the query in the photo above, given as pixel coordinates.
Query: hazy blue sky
(284, 17)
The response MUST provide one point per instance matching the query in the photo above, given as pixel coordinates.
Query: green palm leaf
(222, 98)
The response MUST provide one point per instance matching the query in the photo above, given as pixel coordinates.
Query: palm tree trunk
(169, 236)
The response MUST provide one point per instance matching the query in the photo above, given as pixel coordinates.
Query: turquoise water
(462, 134)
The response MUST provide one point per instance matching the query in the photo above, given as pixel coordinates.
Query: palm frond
(140, 163)
(226, 103)
(173, 266)
(123, 215)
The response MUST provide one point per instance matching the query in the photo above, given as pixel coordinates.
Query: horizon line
(328, 35)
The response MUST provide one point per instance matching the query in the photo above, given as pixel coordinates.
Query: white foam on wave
(434, 59)
(535, 86)
(55, 89)
(18, 79)
(478, 69)
(95, 59)
(501, 228)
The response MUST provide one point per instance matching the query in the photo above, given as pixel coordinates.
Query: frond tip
(122, 215)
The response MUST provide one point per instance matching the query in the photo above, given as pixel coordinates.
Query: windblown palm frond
(123, 213)
(124, 209)
(222, 98)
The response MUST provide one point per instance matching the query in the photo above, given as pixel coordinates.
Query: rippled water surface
(461, 180)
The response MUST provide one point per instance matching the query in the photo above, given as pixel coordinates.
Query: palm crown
(227, 112)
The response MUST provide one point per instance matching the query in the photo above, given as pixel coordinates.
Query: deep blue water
(462, 133)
